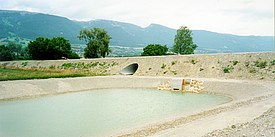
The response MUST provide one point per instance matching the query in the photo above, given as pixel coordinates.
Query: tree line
(39, 49)
(97, 41)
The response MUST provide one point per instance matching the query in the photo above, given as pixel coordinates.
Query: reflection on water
(96, 112)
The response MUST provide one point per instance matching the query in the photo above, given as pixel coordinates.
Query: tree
(49, 49)
(15, 50)
(183, 42)
(5, 54)
(97, 42)
(154, 50)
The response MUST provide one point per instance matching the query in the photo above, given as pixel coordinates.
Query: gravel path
(262, 126)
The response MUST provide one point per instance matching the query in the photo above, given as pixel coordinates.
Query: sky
(238, 17)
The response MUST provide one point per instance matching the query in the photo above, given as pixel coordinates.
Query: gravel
(262, 126)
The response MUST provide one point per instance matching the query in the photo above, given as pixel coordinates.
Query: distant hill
(32, 25)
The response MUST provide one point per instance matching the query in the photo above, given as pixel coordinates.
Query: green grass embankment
(23, 74)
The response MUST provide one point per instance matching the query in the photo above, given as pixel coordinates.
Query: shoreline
(244, 94)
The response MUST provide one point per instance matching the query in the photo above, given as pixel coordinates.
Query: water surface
(97, 112)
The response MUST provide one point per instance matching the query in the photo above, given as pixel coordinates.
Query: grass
(262, 64)
(23, 74)
(253, 70)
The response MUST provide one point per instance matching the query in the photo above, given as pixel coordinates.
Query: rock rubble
(262, 126)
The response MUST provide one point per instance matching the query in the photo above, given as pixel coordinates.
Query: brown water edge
(151, 129)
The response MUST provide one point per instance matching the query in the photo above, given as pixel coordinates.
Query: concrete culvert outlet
(130, 69)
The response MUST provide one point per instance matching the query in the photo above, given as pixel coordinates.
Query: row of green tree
(39, 49)
(97, 41)
(13, 52)
(183, 44)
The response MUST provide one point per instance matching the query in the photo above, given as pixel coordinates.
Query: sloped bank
(243, 66)
(237, 89)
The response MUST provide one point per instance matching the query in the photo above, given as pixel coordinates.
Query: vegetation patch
(261, 64)
(24, 64)
(253, 70)
(173, 62)
(235, 63)
(201, 69)
(174, 72)
(23, 74)
(193, 61)
(226, 70)
(163, 66)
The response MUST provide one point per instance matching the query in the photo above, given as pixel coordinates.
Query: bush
(173, 62)
(163, 66)
(235, 63)
(226, 70)
(154, 50)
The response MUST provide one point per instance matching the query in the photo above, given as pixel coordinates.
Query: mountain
(32, 25)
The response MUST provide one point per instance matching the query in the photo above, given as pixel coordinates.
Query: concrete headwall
(247, 66)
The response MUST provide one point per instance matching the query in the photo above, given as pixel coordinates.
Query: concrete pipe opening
(130, 69)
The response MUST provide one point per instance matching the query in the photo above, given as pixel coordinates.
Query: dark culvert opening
(130, 69)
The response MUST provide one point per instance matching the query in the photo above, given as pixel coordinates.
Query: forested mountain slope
(32, 25)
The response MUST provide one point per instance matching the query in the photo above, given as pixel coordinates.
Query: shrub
(226, 70)
(24, 63)
(175, 72)
(163, 66)
(173, 62)
(235, 63)
(193, 61)
(201, 69)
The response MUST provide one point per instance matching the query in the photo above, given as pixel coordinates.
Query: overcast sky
(239, 17)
